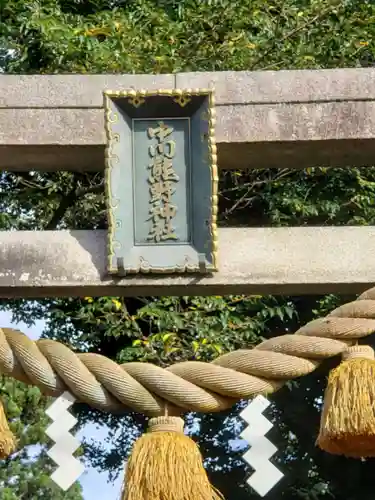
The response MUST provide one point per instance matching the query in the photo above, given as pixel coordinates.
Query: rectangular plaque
(161, 181)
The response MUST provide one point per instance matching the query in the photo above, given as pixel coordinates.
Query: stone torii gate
(294, 119)
(291, 119)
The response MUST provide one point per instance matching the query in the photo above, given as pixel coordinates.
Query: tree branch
(68, 201)
(308, 23)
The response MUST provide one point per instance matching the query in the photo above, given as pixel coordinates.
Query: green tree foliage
(189, 35)
(150, 36)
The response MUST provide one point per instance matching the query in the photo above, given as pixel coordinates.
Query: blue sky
(94, 485)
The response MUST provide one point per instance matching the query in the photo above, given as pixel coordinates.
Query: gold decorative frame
(137, 98)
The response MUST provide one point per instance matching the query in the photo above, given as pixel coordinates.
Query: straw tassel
(348, 419)
(165, 464)
(7, 439)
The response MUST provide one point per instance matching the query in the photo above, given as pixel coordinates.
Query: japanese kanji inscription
(162, 179)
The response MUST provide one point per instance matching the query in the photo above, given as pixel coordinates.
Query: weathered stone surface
(45, 127)
(71, 91)
(296, 122)
(264, 119)
(267, 87)
(238, 124)
(52, 157)
(296, 135)
(265, 260)
(232, 87)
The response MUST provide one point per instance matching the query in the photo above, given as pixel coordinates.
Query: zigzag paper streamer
(69, 468)
(265, 475)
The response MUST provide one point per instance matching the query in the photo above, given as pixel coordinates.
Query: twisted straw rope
(190, 385)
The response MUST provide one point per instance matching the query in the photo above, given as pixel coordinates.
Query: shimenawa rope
(165, 464)
(190, 385)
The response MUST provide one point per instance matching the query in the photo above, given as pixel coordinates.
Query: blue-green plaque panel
(161, 181)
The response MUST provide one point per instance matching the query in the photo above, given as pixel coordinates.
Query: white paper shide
(69, 468)
(265, 475)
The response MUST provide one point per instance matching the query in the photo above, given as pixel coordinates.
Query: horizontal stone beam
(231, 87)
(264, 119)
(302, 260)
